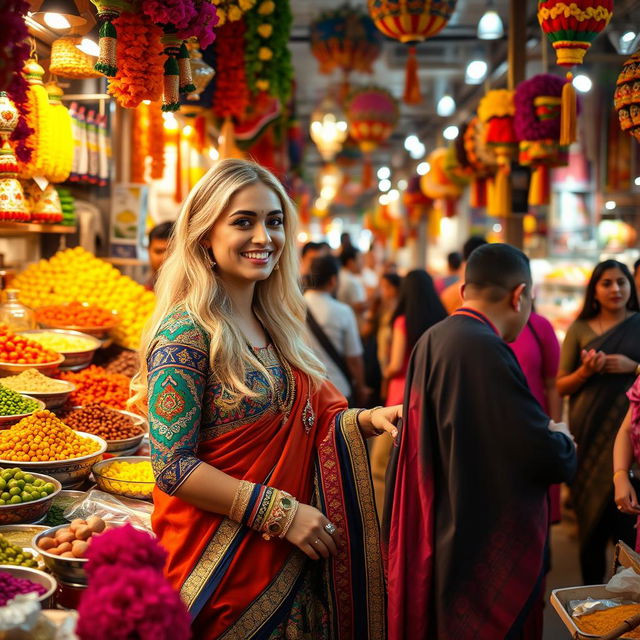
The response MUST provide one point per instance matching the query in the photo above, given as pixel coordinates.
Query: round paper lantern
(537, 125)
(571, 27)
(345, 38)
(627, 96)
(372, 113)
(411, 22)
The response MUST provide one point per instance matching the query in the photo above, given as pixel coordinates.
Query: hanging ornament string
(108, 10)
(171, 97)
(184, 66)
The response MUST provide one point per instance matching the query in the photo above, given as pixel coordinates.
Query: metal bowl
(70, 473)
(51, 399)
(126, 488)
(21, 535)
(73, 360)
(42, 367)
(29, 512)
(97, 332)
(34, 575)
(7, 421)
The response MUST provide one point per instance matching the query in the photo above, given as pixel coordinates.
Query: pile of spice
(13, 404)
(602, 622)
(15, 555)
(42, 437)
(126, 362)
(62, 343)
(10, 587)
(32, 381)
(75, 314)
(96, 385)
(101, 421)
(16, 349)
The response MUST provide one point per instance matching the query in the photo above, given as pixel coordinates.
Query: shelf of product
(27, 228)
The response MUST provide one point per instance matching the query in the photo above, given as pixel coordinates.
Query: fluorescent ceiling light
(446, 106)
(490, 26)
(475, 72)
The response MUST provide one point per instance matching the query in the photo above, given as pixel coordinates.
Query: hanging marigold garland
(147, 141)
(231, 95)
(139, 143)
(267, 57)
(62, 140)
(14, 52)
(140, 61)
(156, 140)
(232, 10)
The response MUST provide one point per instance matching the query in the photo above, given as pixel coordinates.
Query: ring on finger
(330, 528)
(316, 541)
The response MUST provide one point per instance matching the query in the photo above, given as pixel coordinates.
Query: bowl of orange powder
(42, 443)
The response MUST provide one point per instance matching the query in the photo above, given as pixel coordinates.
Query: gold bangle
(240, 500)
(625, 471)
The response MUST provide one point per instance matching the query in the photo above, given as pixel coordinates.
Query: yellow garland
(39, 119)
(497, 103)
(573, 10)
(62, 137)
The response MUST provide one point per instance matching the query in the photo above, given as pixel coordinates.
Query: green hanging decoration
(108, 10)
(184, 65)
(171, 97)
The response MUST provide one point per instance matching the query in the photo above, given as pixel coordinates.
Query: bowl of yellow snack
(53, 393)
(77, 348)
(128, 476)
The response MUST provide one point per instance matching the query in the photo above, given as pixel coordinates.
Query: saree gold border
(209, 561)
(261, 609)
(370, 526)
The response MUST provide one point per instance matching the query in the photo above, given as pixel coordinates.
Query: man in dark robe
(466, 513)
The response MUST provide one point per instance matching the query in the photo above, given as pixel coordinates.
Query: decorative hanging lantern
(13, 205)
(417, 203)
(571, 28)
(627, 96)
(372, 113)
(345, 38)
(437, 183)
(68, 61)
(44, 206)
(482, 160)
(62, 142)
(328, 128)
(201, 72)
(537, 125)
(496, 110)
(108, 10)
(411, 22)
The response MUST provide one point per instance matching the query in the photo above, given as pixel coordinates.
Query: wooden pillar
(516, 74)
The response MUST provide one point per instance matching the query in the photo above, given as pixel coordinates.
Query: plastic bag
(22, 619)
(112, 509)
(625, 581)
(579, 608)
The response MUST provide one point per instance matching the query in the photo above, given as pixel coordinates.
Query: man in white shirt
(337, 324)
(351, 291)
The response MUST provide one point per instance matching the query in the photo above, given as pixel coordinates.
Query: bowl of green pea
(25, 497)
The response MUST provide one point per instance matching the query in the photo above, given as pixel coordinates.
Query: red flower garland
(14, 51)
(140, 61)
(231, 95)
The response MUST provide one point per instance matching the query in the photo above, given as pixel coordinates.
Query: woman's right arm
(398, 349)
(625, 496)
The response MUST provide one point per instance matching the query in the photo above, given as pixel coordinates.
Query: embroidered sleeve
(177, 366)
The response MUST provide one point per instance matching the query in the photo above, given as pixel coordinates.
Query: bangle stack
(264, 509)
(615, 473)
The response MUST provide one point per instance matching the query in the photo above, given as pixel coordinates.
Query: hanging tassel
(568, 115)
(184, 64)
(107, 62)
(411, 81)
(478, 195)
(367, 172)
(171, 97)
(540, 187)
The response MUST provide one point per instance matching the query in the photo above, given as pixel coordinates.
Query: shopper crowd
(255, 356)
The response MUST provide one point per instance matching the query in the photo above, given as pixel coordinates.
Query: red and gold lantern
(411, 21)
(627, 96)
(571, 27)
(372, 113)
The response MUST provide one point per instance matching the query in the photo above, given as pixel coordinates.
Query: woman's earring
(210, 260)
(277, 267)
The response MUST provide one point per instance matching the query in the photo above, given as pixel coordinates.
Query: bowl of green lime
(25, 497)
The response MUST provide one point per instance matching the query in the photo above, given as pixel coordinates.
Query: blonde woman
(263, 496)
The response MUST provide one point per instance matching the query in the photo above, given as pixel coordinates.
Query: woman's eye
(276, 222)
(242, 222)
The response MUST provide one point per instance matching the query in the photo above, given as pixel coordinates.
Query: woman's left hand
(374, 422)
(617, 363)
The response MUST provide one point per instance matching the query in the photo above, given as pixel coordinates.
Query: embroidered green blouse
(185, 400)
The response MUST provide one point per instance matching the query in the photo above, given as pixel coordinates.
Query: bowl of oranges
(19, 353)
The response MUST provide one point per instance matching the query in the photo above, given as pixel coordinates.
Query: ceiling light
(384, 185)
(393, 195)
(58, 15)
(402, 184)
(610, 205)
(497, 228)
(622, 33)
(490, 26)
(582, 83)
(410, 142)
(328, 128)
(56, 21)
(383, 199)
(637, 181)
(384, 173)
(475, 72)
(417, 151)
(423, 168)
(446, 106)
(629, 36)
(89, 46)
(451, 132)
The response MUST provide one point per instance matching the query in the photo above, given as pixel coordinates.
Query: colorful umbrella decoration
(372, 113)
(411, 22)
(571, 27)
(345, 38)
(537, 125)
(496, 110)
(627, 96)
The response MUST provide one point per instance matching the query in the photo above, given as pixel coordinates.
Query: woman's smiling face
(248, 238)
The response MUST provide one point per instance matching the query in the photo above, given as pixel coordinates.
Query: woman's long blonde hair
(187, 281)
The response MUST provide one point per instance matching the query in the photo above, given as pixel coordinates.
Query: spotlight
(490, 26)
(476, 72)
(582, 83)
(446, 106)
(384, 173)
(423, 168)
(451, 132)
(384, 185)
(610, 205)
(411, 141)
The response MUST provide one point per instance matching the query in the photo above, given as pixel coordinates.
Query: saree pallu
(238, 586)
(595, 415)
